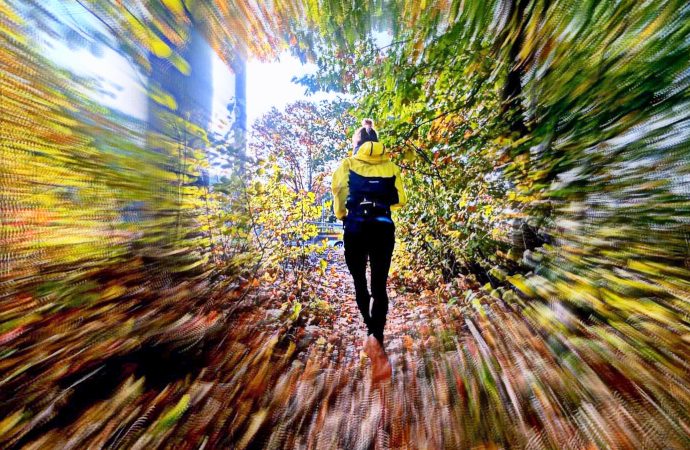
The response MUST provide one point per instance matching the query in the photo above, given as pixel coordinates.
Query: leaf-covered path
(470, 375)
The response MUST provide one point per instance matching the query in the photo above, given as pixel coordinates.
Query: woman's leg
(356, 260)
(381, 250)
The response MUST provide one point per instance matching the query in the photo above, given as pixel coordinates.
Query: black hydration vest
(371, 197)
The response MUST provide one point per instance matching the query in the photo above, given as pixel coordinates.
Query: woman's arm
(341, 189)
(402, 196)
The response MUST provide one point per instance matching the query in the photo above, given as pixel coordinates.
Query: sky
(114, 71)
(268, 85)
(127, 94)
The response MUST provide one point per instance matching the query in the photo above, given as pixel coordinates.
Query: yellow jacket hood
(371, 152)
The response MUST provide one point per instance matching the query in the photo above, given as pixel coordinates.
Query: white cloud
(117, 75)
(269, 84)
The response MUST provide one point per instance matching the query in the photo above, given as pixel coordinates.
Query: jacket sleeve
(402, 196)
(340, 189)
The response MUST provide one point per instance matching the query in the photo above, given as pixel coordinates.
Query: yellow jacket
(371, 160)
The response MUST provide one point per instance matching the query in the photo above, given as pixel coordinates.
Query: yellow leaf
(174, 413)
(157, 46)
(180, 64)
(254, 426)
(163, 98)
(175, 6)
(10, 421)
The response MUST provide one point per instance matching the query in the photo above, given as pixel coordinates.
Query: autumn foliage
(163, 285)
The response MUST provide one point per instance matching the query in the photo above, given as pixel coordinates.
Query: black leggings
(373, 241)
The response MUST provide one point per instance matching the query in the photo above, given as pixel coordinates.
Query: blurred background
(171, 273)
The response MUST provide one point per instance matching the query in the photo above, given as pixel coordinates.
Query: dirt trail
(472, 376)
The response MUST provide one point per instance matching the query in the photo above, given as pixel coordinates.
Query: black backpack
(370, 197)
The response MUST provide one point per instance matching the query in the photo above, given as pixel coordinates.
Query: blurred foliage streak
(546, 149)
(109, 226)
